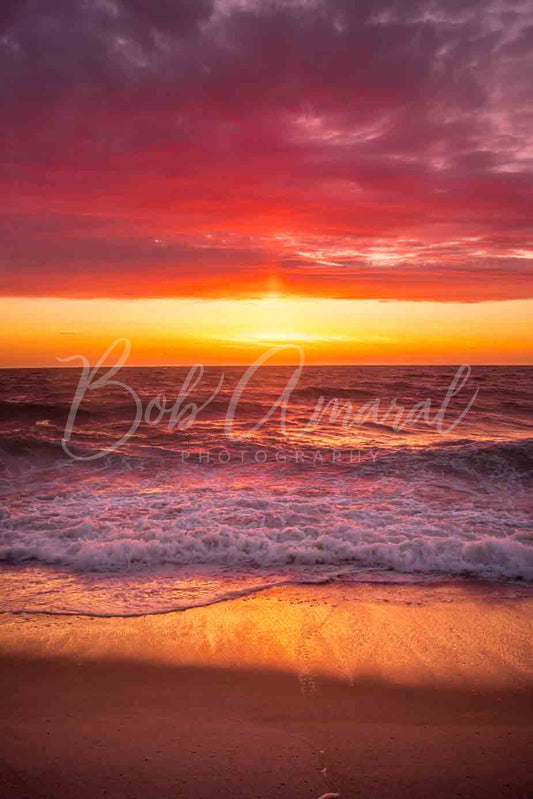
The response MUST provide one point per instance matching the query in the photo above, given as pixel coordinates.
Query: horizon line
(285, 365)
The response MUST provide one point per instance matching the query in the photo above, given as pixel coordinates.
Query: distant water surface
(175, 518)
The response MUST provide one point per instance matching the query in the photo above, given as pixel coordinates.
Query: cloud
(320, 125)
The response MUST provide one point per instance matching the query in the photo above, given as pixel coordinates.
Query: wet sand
(293, 692)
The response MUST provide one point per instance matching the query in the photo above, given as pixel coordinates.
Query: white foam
(392, 525)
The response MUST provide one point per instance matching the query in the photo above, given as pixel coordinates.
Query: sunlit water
(175, 518)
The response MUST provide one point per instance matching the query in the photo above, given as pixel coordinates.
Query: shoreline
(293, 691)
(113, 585)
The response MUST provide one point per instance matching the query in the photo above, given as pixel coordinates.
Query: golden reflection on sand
(404, 635)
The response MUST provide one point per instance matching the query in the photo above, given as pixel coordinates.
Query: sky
(213, 177)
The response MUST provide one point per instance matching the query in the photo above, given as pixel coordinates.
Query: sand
(293, 692)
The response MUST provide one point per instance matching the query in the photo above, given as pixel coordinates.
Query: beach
(297, 691)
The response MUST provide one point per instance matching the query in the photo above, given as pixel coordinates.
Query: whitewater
(175, 518)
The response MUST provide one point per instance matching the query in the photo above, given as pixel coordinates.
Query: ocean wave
(329, 392)
(486, 557)
(28, 410)
(215, 598)
(30, 447)
(504, 458)
(416, 502)
(410, 527)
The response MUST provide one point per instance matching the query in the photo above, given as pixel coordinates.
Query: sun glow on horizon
(36, 332)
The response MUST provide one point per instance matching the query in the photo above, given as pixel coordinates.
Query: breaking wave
(413, 503)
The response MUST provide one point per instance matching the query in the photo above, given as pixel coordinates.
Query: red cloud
(339, 149)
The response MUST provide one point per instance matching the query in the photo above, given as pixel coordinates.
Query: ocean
(227, 485)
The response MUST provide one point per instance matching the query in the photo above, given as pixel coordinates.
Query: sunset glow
(182, 331)
(214, 154)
